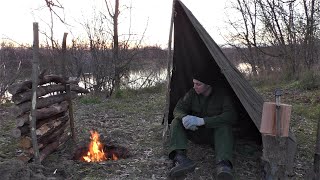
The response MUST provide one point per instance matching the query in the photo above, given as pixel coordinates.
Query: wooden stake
(73, 133)
(317, 154)
(64, 56)
(35, 72)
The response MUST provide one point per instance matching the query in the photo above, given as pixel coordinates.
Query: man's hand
(193, 128)
(191, 122)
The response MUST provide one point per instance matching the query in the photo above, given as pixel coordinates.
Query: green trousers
(221, 138)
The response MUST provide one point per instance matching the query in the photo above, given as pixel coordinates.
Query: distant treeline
(15, 62)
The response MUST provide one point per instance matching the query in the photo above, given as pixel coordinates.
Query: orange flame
(114, 157)
(95, 152)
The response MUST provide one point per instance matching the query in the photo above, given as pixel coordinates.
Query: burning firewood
(97, 150)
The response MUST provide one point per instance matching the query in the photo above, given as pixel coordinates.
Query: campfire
(97, 151)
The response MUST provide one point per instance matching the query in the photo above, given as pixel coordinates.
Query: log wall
(52, 114)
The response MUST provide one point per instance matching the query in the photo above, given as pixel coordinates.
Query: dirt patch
(133, 122)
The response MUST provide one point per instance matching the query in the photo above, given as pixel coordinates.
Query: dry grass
(134, 121)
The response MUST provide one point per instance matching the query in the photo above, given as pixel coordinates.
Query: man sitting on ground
(204, 115)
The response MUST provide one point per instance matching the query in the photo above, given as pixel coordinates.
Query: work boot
(182, 165)
(224, 170)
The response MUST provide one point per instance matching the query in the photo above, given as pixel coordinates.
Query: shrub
(309, 81)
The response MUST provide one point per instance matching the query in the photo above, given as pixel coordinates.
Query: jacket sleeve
(229, 115)
(183, 106)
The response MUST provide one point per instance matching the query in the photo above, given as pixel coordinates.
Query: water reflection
(7, 97)
(142, 79)
(244, 68)
(134, 80)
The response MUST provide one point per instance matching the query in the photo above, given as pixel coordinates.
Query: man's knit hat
(207, 76)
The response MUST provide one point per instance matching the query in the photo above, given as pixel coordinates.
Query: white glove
(191, 122)
(193, 128)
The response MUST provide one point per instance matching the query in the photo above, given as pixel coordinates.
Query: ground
(133, 120)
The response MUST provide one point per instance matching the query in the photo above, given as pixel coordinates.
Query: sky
(17, 17)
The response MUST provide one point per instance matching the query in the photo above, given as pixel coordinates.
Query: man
(204, 115)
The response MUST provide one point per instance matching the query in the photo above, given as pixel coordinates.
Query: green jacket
(216, 109)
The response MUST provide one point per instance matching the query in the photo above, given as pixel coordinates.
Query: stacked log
(52, 114)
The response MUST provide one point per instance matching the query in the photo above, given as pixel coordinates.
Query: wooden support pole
(64, 56)
(169, 64)
(317, 154)
(35, 72)
(73, 133)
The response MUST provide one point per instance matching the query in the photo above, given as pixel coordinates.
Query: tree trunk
(116, 46)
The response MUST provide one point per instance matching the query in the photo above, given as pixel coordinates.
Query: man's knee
(223, 130)
(176, 123)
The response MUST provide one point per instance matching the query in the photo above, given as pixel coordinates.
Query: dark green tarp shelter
(194, 49)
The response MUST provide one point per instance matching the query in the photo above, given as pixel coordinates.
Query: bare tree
(246, 29)
(111, 56)
(282, 33)
(311, 10)
(12, 61)
(115, 16)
